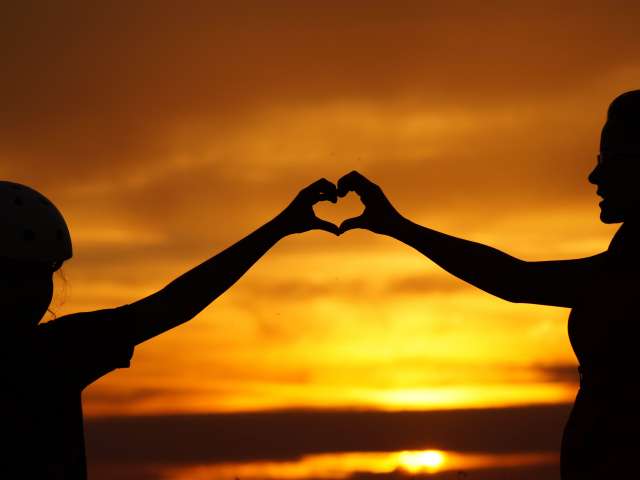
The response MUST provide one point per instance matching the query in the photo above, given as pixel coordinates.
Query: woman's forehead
(622, 138)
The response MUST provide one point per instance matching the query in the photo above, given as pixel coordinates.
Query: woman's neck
(626, 242)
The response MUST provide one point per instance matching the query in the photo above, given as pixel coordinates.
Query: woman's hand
(299, 216)
(379, 215)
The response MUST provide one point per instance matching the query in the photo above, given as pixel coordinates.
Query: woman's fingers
(354, 182)
(329, 197)
(352, 223)
(318, 191)
(321, 190)
(319, 224)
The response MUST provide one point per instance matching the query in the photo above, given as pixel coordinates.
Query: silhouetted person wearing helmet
(46, 367)
(601, 438)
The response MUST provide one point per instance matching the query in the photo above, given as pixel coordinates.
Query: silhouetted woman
(46, 367)
(602, 436)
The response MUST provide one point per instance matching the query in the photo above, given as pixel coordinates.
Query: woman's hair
(60, 286)
(626, 109)
(622, 128)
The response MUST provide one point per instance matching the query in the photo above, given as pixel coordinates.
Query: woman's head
(617, 171)
(34, 242)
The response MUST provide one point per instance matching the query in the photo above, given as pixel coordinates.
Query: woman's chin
(610, 215)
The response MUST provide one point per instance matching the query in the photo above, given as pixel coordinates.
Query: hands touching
(299, 216)
(379, 215)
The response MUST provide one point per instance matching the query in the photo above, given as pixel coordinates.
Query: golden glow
(338, 349)
(429, 461)
(343, 465)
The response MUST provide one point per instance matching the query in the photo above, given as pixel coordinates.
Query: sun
(421, 461)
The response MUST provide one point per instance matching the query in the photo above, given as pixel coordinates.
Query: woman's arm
(190, 293)
(557, 283)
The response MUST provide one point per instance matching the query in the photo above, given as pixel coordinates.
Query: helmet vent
(31, 228)
(28, 235)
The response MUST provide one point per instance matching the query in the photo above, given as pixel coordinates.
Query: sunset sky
(165, 131)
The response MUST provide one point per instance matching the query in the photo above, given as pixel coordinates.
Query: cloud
(193, 124)
(548, 472)
(111, 397)
(96, 90)
(301, 289)
(528, 472)
(425, 285)
(563, 373)
(286, 435)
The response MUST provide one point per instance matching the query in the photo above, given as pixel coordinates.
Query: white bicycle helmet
(31, 227)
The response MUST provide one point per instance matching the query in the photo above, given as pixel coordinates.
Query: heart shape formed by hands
(302, 215)
(349, 206)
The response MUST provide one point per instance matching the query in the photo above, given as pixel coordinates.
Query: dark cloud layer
(286, 435)
(546, 472)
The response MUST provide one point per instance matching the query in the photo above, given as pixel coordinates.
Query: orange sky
(165, 131)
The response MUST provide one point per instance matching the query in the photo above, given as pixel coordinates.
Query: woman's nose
(594, 176)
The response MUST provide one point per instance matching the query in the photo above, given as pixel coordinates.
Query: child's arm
(190, 293)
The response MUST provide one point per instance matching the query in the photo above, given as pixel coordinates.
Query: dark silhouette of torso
(44, 372)
(600, 436)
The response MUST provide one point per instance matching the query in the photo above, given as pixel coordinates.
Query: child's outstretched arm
(190, 293)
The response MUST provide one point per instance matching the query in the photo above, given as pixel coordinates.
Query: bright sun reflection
(421, 461)
(341, 466)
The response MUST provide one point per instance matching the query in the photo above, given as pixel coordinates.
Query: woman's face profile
(616, 175)
(26, 291)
